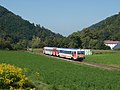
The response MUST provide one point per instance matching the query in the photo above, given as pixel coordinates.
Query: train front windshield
(80, 52)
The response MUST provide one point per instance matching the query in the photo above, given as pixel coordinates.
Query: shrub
(12, 77)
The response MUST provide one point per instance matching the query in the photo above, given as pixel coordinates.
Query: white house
(111, 43)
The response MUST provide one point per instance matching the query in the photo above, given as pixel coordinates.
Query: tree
(21, 32)
(2, 43)
(36, 42)
(75, 41)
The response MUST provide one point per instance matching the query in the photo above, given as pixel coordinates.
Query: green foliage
(75, 41)
(36, 41)
(15, 33)
(5, 44)
(21, 45)
(63, 75)
(93, 36)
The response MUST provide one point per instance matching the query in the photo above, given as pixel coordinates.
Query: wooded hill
(17, 33)
(93, 36)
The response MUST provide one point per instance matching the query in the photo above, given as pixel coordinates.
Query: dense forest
(17, 33)
(93, 36)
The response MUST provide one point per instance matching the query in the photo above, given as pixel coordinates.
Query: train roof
(69, 49)
(49, 47)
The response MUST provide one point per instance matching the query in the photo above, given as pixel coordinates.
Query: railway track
(104, 66)
(109, 67)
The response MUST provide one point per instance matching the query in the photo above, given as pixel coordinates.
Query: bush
(12, 77)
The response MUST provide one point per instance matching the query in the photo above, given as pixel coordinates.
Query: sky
(63, 16)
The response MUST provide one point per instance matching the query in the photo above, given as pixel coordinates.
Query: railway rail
(104, 66)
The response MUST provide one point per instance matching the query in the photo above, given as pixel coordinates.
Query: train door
(74, 54)
(57, 53)
(54, 52)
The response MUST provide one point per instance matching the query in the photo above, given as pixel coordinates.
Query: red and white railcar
(69, 53)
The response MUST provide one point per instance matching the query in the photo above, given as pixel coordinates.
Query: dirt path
(109, 67)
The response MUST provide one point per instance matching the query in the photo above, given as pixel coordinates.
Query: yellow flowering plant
(12, 77)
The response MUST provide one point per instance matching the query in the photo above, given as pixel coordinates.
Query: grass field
(62, 75)
(109, 58)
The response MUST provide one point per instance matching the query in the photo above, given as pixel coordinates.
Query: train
(68, 53)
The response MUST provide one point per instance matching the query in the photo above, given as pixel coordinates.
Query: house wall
(111, 45)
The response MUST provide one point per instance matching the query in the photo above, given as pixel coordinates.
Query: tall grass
(62, 75)
(109, 58)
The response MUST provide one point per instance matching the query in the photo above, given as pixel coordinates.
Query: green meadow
(62, 75)
(105, 58)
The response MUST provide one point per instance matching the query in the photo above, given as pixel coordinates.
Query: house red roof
(111, 42)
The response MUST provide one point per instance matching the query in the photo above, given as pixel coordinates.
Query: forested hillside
(93, 36)
(16, 33)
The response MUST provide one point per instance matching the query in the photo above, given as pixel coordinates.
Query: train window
(54, 50)
(61, 51)
(66, 52)
(69, 52)
(48, 49)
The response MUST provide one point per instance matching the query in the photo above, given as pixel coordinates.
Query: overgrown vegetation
(62, 75)
(12, 77)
